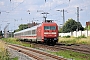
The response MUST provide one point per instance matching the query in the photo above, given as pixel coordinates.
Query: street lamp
(63, 15)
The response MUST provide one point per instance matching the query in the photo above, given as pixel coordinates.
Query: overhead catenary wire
(51, 8)
(12, 9)
(54, 8)
(23, 2)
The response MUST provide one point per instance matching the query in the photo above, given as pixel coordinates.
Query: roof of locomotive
(32, 28)
(49, 23)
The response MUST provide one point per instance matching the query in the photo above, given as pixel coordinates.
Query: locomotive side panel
(39, 31)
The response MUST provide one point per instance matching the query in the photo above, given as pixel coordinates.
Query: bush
(83, 36)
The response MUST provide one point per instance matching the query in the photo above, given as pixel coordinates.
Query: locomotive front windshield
(49, 27)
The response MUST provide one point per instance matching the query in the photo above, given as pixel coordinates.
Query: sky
(16, 12)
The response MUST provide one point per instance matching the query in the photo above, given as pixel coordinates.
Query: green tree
(71, 25)
(22, 27)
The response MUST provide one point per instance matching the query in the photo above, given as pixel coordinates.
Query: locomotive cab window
(46, 27)
(52, 28)
(49, 27)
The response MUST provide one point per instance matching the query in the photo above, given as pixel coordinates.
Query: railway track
(36, 54)
(59, 47)
(73, 49)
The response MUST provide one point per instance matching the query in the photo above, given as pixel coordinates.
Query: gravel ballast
(13, 53)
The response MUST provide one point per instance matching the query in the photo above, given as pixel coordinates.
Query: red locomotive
(47, 32)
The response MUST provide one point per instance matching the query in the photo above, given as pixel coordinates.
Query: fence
(76, 33)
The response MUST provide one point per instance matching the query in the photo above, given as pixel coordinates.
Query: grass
(4, 55)
(66, 54)
(16, 58)
(11, 40)
(84, 41)
(3, 51)
(73, 40)
(16, 41)
(72, 55)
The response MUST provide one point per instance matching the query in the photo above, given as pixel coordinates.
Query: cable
(18, 5)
